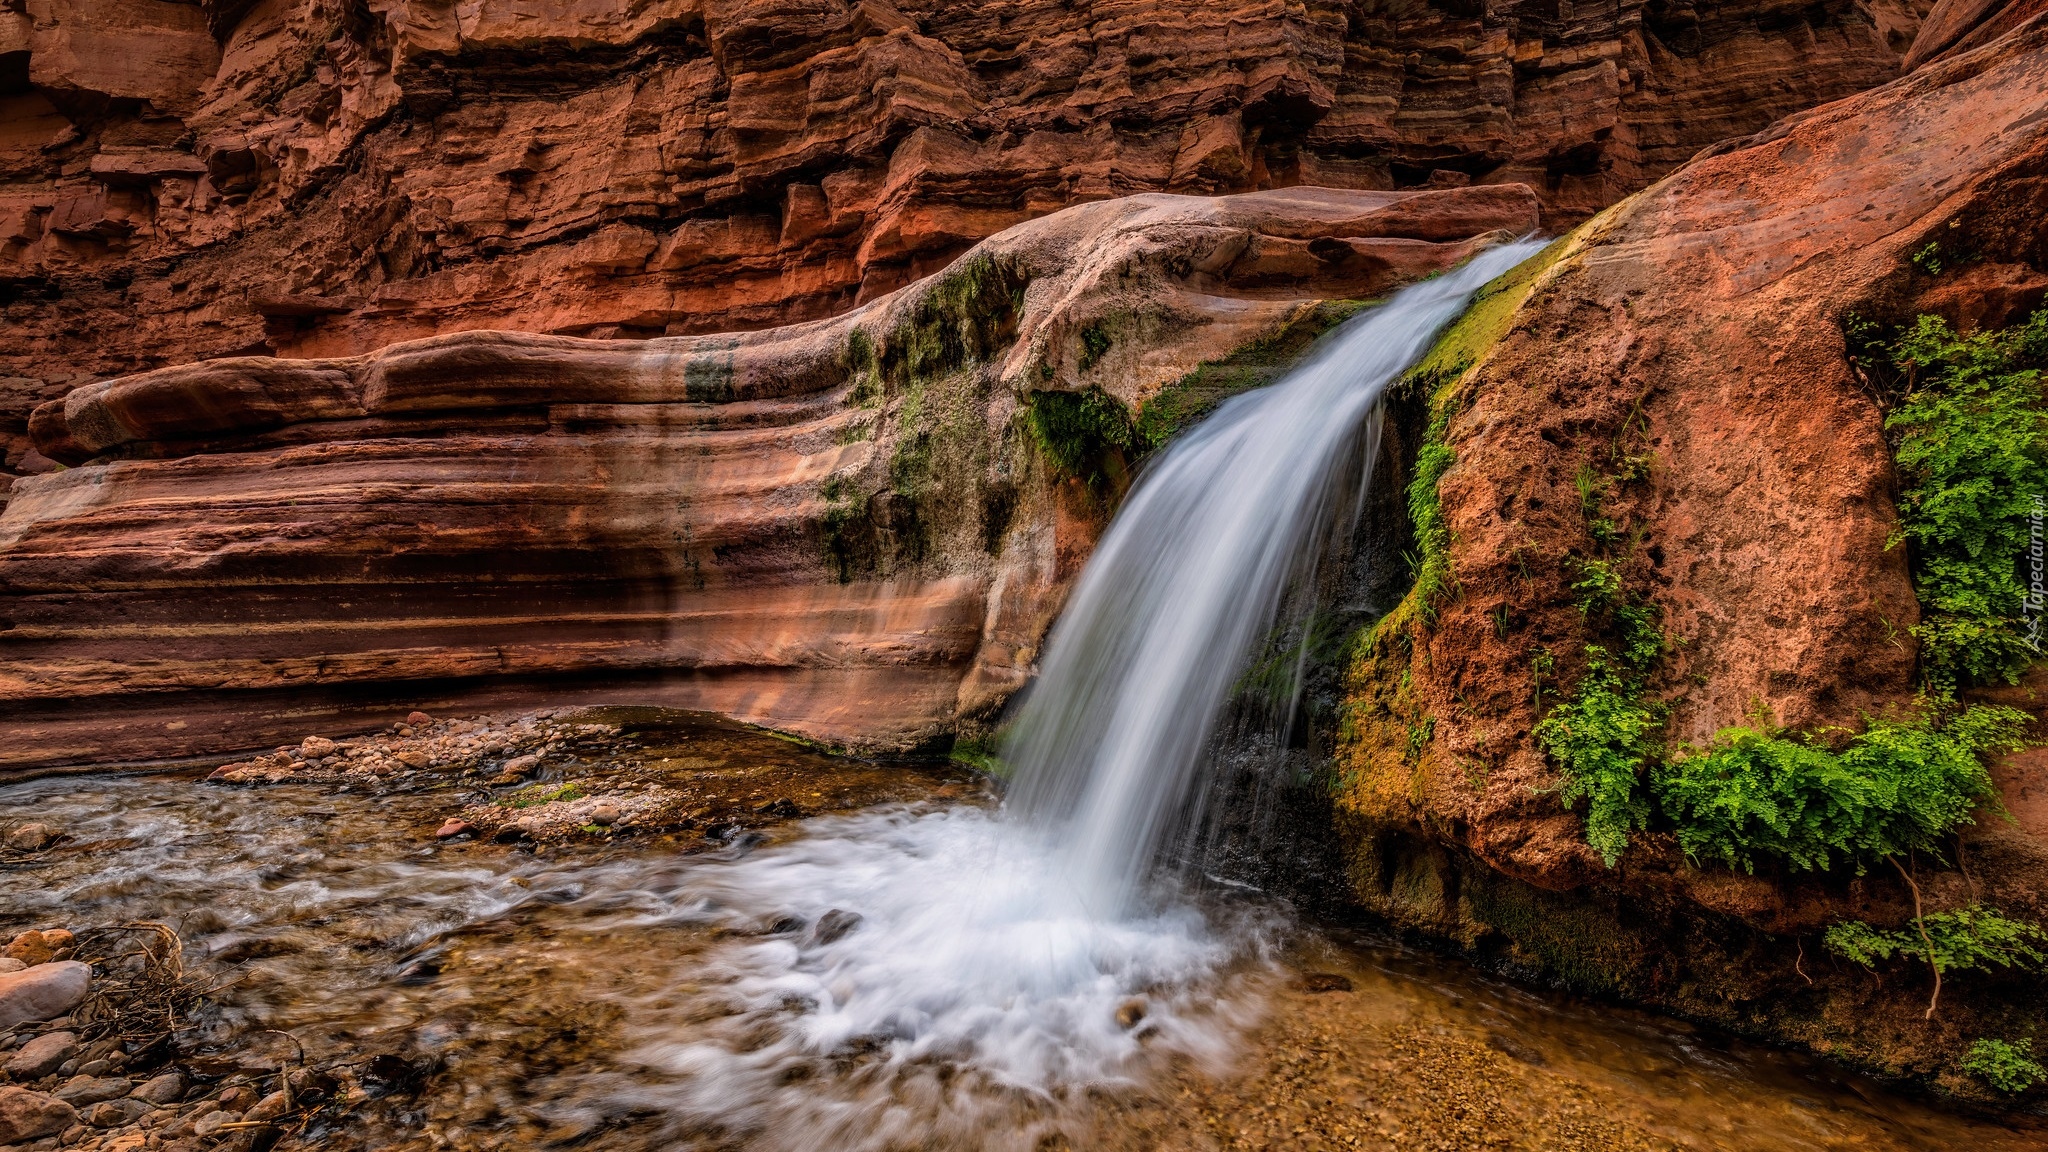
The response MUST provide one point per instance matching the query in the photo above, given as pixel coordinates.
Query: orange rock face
(842, 527)
(1698, 327)
(315, 178)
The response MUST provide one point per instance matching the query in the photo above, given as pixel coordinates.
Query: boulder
(43, 992)
(160, 1090)
(26, 1115)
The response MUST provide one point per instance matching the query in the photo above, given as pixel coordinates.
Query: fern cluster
(2008, 1067)
(1966, 938)
(1972, 437)
(1600, 737)
(1896, 788)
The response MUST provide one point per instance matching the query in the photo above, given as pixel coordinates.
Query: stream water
(679, 993)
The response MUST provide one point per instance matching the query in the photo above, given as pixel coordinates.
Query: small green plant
(1957, 941)
(1972, 438)
(1593, 489)
(1076, 430)
(1928, 259)
(534, 795)
(2008, 1067)
(1897, 788)
(1601, 736)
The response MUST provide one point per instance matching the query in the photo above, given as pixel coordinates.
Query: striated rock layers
(1693, 337)
(319, 178)
(853, 528)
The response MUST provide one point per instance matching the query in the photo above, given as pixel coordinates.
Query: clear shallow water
(642, 996)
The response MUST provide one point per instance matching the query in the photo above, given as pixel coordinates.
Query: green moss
(2008, 1067)
(979, 753)
(534, 795)
(1183, 403)
(1079, 433)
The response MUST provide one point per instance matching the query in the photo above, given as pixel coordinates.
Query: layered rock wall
(181, 181)
(847, 528)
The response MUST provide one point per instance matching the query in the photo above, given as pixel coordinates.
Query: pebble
(82, 1090)
(414, 758)
(33, 947)
(453, 827)
(316, 747)
(238, 1098)
(41, 1056)
(26, 1115)
(10, 964)
(160, 1090)
(833, 925)
(43, 991)
(269, 1108)
(604, 815)
(418, 719)
(210, 1123)
(117, 1113)
(31, 837)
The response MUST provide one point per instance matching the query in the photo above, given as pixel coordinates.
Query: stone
(414, 758)
(269, 1108)
(31, 837)
(117, 1113)
(237, 1098)
(11, 964)
(43, 992)
(41, 1056)
(35, 946)
(82, 1090)
(162, 1089)
(418, 719)
(1130, 1014)
(316, 747)
(521, 765)
(834, 925)
(210, 1123)
(26, 1115)
(453, 827)
(604, 815)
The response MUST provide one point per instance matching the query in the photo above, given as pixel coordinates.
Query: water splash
(997, 962)
(1188, 579)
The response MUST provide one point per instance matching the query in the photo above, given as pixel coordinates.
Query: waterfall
(1188, 579)
(955, 977)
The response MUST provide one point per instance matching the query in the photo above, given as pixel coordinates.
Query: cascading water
(1189, 577)
(947, 978)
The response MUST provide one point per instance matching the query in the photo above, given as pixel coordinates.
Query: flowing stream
(924, 974)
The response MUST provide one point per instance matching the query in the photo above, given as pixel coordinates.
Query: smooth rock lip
(43, 992)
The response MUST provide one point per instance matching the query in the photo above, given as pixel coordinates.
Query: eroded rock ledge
(843, 528)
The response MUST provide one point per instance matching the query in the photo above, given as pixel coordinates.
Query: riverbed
(829, 953)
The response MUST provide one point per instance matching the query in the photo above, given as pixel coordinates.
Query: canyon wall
(320, 178)
(1675, 374)
(855, 528)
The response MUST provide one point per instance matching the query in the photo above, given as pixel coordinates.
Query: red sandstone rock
(182, 182)
(1704, 316)
(838, 527)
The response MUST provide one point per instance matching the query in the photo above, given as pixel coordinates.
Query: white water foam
(982, 984)
(973, 998)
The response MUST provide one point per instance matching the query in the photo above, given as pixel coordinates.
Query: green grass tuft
(2008, 1067)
